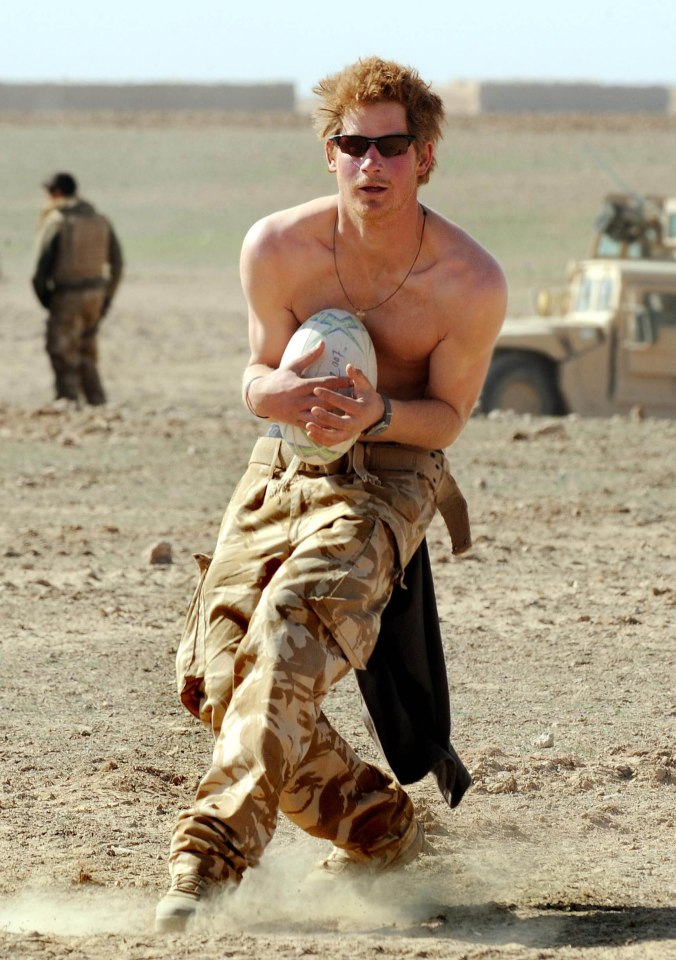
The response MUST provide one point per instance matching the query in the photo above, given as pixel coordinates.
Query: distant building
(229, 97)
(464, 98)
(526, 97)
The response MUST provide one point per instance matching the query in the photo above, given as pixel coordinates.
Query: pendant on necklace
(361, 314)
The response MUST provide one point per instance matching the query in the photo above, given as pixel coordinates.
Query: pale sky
(300, 41)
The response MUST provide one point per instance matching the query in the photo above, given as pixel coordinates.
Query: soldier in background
(78, 268)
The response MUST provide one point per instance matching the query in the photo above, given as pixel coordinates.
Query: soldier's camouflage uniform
(305, 562)
(78, 268)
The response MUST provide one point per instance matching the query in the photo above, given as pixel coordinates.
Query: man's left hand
(341, 416)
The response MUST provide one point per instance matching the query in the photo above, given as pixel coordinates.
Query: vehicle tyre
(523, 383)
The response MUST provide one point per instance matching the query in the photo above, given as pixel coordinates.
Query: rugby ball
(346, 340)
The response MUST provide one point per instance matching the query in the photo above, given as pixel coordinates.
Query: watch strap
(381, 425)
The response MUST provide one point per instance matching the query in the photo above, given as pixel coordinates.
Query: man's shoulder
(469, 282)
(463, 258)
(49, 226)
(50, 216)
(293, 225)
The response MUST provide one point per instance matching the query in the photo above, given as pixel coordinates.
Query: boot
(179, 905)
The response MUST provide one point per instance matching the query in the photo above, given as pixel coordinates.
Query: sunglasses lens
(393, 145)
(353, 146)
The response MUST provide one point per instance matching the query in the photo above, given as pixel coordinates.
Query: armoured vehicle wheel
(523, 383)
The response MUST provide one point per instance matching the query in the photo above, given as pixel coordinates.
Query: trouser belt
(385, 457)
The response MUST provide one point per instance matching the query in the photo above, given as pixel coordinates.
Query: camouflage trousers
(74, 316)
(305, 562)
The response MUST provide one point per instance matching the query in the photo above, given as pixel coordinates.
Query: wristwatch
(381, 425)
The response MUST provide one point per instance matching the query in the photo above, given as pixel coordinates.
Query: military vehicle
(610, 345)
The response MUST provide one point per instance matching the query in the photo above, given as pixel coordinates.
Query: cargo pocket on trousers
(190, 656)
(353, 582)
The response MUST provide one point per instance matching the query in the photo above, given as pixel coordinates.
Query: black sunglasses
(391, 145)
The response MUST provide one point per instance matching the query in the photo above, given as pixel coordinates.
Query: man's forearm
(428, 423)
(255, 371)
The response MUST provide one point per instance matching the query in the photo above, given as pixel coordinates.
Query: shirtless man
(307, 556)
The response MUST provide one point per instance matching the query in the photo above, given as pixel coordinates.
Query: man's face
(373, 185)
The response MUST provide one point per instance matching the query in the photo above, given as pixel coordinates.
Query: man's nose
(372, 156)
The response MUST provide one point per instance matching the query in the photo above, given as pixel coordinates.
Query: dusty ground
(559, 635)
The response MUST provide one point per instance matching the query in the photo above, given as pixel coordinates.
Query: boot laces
(190, 883)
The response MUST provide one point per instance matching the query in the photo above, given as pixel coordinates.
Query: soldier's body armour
(84, 240)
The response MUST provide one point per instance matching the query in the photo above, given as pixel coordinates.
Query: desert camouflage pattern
(305, 562)
(71, 341)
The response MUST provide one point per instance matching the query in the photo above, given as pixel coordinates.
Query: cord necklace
(362, 311)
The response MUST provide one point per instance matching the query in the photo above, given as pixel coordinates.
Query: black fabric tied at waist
(404, 688)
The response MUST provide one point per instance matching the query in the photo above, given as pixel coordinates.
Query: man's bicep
(459, 363)
(268, 337)
(270, 322)
(456, 374)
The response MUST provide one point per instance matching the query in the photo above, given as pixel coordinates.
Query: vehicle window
(658, 311)
(605, 294)
(584, 295)
(594, 294)
(663, 308)
(671, 226)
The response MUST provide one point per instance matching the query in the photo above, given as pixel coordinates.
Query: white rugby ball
(346, 340)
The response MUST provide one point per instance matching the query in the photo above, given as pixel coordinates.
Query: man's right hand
(286, 396)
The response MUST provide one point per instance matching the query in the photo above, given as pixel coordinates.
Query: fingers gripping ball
(346, 340)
